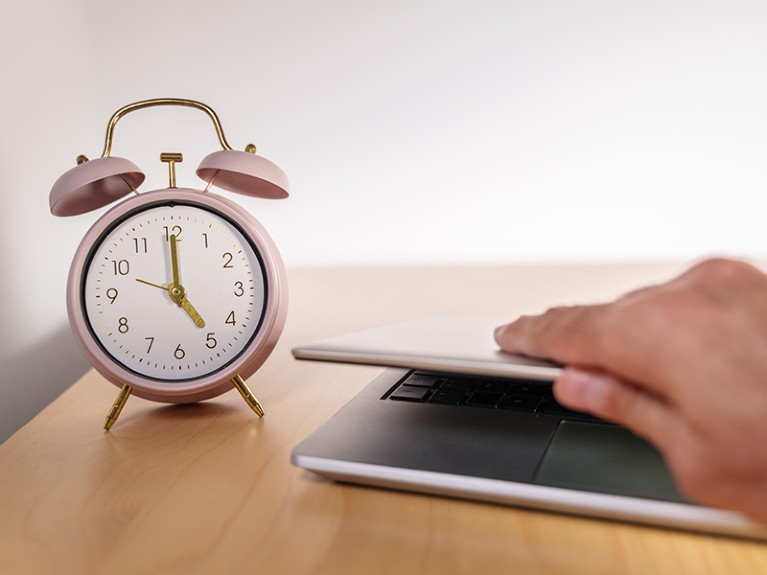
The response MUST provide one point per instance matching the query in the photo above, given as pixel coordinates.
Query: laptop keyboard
(475, 391)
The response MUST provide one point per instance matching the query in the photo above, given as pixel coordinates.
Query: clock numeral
(151, 343)
(230, 318)
(122, 325)
(239, 289)
(205, 238)
(175, 230)
(140, 243)
(210, 341)
(112, 295)
(227, 257)
(121, 267)
(179, 353)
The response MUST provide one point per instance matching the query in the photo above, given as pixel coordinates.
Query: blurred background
(413, 133)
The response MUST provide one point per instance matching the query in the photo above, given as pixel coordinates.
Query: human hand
(683, 364)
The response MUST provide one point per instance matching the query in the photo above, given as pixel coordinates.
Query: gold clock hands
(178, 296)
(175, 289)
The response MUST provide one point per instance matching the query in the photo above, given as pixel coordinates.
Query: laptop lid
(441, 343)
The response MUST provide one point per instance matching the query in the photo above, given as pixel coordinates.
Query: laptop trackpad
(605, 459)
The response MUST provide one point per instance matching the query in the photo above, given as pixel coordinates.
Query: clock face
(174, 291)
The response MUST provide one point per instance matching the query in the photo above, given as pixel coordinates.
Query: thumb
(616, 400)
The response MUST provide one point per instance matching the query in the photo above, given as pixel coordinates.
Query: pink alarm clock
(174, 295)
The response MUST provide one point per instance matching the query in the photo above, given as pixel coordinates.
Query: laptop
(455, 416)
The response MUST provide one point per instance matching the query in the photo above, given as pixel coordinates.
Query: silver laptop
(455, 416)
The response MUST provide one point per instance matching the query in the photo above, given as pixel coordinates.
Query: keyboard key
(422, 380)
(521, 403)
(410, 393)
(528, 389)
(484, 399)
(448, 396)
(500, 387)
(457, 383)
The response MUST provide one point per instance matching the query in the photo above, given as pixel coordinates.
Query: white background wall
(412, 131)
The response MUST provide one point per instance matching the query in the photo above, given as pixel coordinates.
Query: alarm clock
(174, 295)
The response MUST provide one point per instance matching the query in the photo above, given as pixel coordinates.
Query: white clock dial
(206, 323)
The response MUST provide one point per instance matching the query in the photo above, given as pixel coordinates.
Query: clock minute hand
(174, 260)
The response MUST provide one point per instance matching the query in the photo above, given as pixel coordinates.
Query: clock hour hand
(189, 308)
(178, 294)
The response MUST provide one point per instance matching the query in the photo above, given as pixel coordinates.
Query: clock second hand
(153, 285)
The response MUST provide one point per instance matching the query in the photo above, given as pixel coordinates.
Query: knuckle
(559, 325)
(651, 314)
(723, 269)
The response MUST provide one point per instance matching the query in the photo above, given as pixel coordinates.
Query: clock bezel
(252, 355)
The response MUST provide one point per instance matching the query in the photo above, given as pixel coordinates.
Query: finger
(615, 400)
(617, 338)
(566, 334)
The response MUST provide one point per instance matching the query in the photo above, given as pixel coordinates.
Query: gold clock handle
(247, 395)
(162, 102)
(117, 407)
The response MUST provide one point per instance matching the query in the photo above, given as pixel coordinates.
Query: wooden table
(208, 488)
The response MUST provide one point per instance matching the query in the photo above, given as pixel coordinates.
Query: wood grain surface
(209, 488)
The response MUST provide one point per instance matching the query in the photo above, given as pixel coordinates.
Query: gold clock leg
(247, 395)
(119, 403)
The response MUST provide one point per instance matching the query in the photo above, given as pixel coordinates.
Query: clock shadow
(184, 411)
(168, 451)
(153, 418)
(199, 409)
